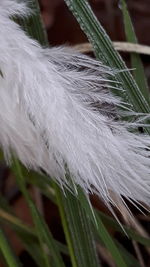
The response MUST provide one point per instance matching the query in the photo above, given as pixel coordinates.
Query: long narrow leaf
(78, 230)
(109, 222)
(105, 52)
(33, 25)
(136, 62)
(48, 191)
(27, 235)
(7, 251)
(109, 243)
(128, 257)
(42, 230)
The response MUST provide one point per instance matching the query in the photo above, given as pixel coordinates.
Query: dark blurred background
(63, 28)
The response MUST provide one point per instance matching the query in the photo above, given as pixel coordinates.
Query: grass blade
(107, 220)
(78, 230)
(32, 247)
(136, 62)
(7, 251)
(33, 25)
(46, 236)
(27, 235)
(105, 52)
(43, 233)
(39, 230)
(65, 224)
(109, 243)
(128, 257)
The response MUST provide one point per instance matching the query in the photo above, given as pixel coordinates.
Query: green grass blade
(43, 182)
(128, 257)
(109, 222)
(33, 24)
(47, 237)
(65, 225)
(20, 227)
(42, 230)
(109, 243)
(78, 230)
(105, 52)
(27, 235)
(87, 206)
(136, 62)
(33, 249)
(16, 222)
(7, 251)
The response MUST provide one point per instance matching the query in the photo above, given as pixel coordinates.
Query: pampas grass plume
(56, 109)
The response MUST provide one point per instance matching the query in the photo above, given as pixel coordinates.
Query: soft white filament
(55, 109)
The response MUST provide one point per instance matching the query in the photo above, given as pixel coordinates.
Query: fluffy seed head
(56, 109)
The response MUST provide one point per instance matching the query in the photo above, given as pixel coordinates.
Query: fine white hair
(56, 109)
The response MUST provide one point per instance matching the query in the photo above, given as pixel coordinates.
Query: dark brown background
(62, 26)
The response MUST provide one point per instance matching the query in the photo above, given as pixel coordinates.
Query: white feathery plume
(56, 109)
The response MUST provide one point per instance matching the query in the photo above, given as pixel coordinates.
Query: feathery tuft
(56, 109)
